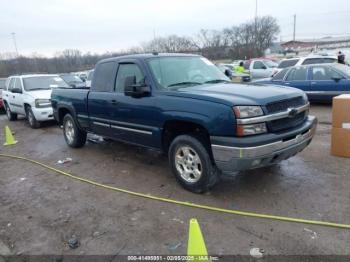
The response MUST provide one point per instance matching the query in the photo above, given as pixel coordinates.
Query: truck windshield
(180, 72)
(43, 82)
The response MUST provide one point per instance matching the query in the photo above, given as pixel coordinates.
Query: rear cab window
(104, 77)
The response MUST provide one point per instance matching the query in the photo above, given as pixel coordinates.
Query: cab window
(324, 73)
(259, 65)
(280, 75)
(126, 70)
(297, 74)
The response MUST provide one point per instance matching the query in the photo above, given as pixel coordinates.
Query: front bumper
(43, 114)
(231, 158)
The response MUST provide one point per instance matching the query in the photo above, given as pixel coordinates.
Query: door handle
(287, 83)
(313, 83)
(114, 102)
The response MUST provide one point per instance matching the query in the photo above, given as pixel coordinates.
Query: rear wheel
(191, 164)
(31, 118)
(72, 134)
(11, 116)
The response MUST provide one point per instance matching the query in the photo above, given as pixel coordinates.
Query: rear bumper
(232, 158)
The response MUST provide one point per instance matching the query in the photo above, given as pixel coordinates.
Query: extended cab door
(134, 119)
(100, 99)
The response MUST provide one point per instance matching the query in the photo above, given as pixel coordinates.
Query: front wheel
(191, 164)
(31, 118)
(72, 134)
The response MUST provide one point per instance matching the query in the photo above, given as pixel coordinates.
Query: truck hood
(238, 94)
(40, 94)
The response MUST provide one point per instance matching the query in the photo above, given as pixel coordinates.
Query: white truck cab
(30, 95)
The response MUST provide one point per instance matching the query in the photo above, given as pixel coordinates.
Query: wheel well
(61, 113)
(174, 128)
(25, 107)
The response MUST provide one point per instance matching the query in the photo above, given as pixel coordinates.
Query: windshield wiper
(185, 83)
(214, 81)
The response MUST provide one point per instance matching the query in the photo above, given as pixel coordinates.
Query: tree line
(243, 41)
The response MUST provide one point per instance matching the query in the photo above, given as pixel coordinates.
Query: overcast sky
(48, 26)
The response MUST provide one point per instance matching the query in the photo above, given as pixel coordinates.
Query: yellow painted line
(183, 203)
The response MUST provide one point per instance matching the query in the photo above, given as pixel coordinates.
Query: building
(311, 45)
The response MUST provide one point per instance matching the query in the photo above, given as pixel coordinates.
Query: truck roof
(145, 56)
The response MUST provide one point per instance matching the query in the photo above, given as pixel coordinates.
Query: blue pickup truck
(184, 106)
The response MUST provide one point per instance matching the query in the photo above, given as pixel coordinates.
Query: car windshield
(287, 63)
(2, 83)
(270, 64)
(43, 82)
(179, 72)
(69, 78)
(343, 68)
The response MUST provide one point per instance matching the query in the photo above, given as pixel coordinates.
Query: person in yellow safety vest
(240, 68)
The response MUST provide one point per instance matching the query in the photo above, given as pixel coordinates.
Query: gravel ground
(40, 210)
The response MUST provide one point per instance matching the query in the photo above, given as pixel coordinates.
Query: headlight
(42, 103)
(247, 111)
(254, 129)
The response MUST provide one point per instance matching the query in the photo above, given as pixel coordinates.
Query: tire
(195, 176)
(74, 136)
(31, 118)
(11, 116)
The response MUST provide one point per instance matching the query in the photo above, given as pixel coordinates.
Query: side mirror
(72, 85)
(264, 67)
(228, 73)
(131, 88)
(16, 90)
(337, 78)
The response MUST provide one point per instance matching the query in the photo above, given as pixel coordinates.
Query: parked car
(233, 75)
(260, 68)
(30, 95)
(307, 60)
(2, 87)
(321, 82)
(184, 106)
(72, 80)
(81, 75)
(90, 74)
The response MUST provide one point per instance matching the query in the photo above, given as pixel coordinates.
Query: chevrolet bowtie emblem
(292, 112)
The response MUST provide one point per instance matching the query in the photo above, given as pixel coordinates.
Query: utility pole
(256, 9)
(295, 21)
(14, 42)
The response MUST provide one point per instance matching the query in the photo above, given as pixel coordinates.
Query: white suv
(30, 95)
(307, 60)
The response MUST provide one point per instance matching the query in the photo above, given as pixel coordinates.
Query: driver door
(17, 98)
(134, 119)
